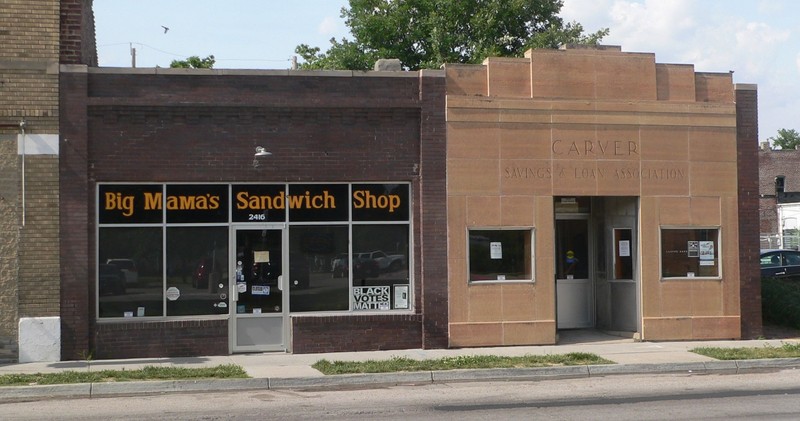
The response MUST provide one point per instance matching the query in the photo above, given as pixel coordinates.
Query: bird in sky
(165, 28)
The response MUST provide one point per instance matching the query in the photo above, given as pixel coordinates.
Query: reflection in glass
(197, 266)
(572, 249)
(687, 253)
(136, 254)
(318, 268)
(500, 255)
(380, 259)
(258, 271)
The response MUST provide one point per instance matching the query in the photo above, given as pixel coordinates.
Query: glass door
(574, 293)
(259, 305)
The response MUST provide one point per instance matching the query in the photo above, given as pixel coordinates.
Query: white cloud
(328, 26)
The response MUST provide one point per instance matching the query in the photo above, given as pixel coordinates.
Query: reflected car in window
(112, 280)
(128, 267)
(780, 263)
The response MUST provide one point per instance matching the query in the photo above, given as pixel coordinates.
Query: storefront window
(163, 249)
(197, 271)
(380, 267)
(130, 272)
(500, 255)
(318, 269)
(690, 253)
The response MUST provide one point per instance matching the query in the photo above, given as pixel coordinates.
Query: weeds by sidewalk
(227, 371)
(787, 350)
(453, 363)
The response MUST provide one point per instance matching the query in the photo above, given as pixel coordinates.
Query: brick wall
(75, 205)
(78, 45)
(772, 163)
(434, 213)
(196, 126)
(29, 264)
(749, 250)
(351, 333)
(166, 339)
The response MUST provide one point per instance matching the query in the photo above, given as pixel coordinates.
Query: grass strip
(225, 371)
(396, 364)
(786, 350)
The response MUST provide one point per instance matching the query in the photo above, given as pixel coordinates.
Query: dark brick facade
(771, 164)
(78, 45)
(348, 333)
(749, 250)
(189, 338)
(203, 126)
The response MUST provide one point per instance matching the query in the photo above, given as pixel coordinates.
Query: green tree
(786, 139)
(194, 62)
(429, 33)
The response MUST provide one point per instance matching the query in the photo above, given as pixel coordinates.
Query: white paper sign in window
(496, 250)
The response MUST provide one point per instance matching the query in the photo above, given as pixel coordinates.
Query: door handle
(781, 273)
(280, 283)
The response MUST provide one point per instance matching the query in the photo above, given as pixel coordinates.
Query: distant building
(779, 197)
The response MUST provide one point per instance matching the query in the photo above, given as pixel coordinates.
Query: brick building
(779, 197)
(175, 212)
(37, 36)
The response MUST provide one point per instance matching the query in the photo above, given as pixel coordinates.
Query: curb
(108, 389)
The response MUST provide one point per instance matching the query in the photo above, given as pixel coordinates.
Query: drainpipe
(22, 130)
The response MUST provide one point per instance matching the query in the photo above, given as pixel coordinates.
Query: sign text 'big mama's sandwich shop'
(222, 203)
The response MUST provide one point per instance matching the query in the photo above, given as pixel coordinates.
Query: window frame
(164, 225)
(718, 251)
(531, 255)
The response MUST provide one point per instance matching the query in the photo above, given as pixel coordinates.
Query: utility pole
(294, 62)
(133, 56)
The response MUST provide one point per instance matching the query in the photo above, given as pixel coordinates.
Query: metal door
(259, 306)
(574, 288)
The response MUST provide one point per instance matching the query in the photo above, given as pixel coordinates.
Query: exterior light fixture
(260, 151)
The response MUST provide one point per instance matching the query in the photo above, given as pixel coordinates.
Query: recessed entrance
(597, 280)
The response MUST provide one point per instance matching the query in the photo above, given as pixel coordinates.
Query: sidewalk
(293, 371)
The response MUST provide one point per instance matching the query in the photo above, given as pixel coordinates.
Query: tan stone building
(592, 188)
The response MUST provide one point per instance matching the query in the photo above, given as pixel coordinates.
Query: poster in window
(624, 248)
(692, 248)
(706, 253)
(496, 250)
(401, 296)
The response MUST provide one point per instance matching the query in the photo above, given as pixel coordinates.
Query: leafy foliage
(780, 301)
(786, 139)
(429, 33)
(194, 62)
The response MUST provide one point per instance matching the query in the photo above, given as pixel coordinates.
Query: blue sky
(758, 39)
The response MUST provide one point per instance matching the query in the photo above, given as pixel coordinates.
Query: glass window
(689, 253)
(318, 268)
(380, 264)
(130, 272)
(197, 269)
(500, 255)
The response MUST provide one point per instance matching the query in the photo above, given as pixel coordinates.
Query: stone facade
(599, 124)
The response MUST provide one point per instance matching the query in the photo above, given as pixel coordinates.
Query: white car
(128, 267)
(386, 262)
